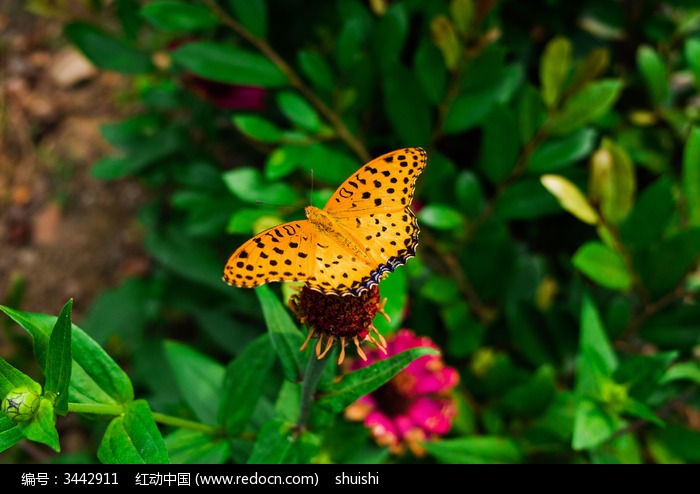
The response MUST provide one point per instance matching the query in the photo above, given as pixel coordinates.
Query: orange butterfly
(365, 230)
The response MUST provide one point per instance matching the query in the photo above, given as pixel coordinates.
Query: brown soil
(63, 234)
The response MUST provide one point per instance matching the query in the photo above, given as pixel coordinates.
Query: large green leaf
(190, 447)
(555, 65)
(229, 64)
(179, 16)
(133, 437)
(691, 175)
(279, 442)
(603, 265)
(557, 153)
(243, 384)
(252, 14)
(363, 381)
(107, 51)
(500, 145)
(285, 337)
(199, 378)
(58, 360)
(475, 450)
(585, 106)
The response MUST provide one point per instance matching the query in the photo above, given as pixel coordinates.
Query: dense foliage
(557, 268)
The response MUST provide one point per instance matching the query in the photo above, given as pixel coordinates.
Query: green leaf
(531, 113)
(317, 70)
(612, 181)
(189, 447)
(462, 14)
(691, 174)
(585, 106)
(199, 379)
(252, 14)
(557, 153)
(475, 450)
(603, 265)
(95, 376)
(389, 36)
(406, 106)
(533, 396)
(592, 425)
(248, 185)
(641, 374)
(42, 428)
(279, 443)
(257, 127)
(500, 145)
(229, 64)
(106, 51)
(440, 217)
(356, 384)
(596, 359)
(285, 337)
(570, 198)
(430, 72)
(468, 110)
(58, 360)
(650, 215)
(298, 111)
(692, 56)
(469, 193)
(177, 16)
(186, 257)
(134, 438)
(284, 160)
(243, 384)
(653, 71)
(394, 289)
(683, 371)
(526, 199)
(10, 433)
(328, 164)
(141, 151)
(11, 378)
(663, 266)
(555, 65)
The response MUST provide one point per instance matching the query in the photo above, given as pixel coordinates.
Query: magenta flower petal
(434, 416)
(415, 405)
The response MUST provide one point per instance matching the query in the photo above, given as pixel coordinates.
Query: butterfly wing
(281, 253)
(372, 210)
(384, 184)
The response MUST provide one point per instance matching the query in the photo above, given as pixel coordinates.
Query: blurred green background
(557, 268)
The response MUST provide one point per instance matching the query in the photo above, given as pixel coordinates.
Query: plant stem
(101, 409)
(186, 424)
(96, 408)
(308, 386)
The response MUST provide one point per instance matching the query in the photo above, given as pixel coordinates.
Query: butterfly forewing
(282, 253)
(385, 183)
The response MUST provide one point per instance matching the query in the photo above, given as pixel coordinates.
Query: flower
(338, 318)
(415, 405)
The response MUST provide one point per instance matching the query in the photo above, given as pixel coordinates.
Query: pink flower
(415, 405)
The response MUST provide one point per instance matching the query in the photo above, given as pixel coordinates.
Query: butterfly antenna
(311, 189)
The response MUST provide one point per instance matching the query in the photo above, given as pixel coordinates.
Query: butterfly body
(365, 230)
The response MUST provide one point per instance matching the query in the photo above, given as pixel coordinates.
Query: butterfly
(365, 231)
